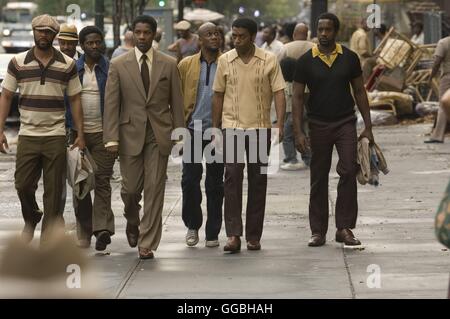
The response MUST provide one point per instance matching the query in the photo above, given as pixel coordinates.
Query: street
(395, 225)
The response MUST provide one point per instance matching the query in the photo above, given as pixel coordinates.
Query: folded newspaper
(80, 172)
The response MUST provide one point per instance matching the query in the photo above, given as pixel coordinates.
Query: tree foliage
(269, 9)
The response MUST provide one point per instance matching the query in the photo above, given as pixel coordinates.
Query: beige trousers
(145, 172)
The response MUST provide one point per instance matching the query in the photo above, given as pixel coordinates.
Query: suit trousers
(323, 137)
(145, 172)
(192, 194)
(96, 216)
(37, 154)
(257, 182)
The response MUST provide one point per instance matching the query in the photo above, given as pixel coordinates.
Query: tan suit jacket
(127, 108)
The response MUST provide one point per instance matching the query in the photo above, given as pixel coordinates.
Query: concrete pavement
(395, 225)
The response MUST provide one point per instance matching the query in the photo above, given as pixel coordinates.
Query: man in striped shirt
(42, 75)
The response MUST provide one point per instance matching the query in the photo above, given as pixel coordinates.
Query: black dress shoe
(316, 240)
(346, 236)
(430, 141)
(132, 235)
(103, 240)
(233, 244)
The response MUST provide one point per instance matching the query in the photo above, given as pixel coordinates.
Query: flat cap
(45, 22)
(183, 25)
(68, 32)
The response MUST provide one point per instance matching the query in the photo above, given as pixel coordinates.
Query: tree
(269, 9)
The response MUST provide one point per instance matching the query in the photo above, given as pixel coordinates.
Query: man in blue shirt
(197, 76)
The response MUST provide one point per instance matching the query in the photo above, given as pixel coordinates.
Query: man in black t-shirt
(330, 71)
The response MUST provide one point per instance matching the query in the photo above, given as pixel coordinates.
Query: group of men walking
(129, 107)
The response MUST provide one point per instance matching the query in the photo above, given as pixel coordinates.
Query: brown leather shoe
(233, 244)
(253, 245)
(132, 235)
(145, 253)
(316, 240)
(346, 236)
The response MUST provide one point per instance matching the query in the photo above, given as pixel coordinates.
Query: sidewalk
(395, 225)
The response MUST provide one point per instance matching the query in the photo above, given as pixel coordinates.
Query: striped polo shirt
(41, 101)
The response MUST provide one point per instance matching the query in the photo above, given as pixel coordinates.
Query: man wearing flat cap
(43, 75)
(187, 44)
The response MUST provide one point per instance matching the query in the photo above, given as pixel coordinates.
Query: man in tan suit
(143, 104)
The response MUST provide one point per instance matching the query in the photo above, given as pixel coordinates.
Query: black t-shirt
(330, 88)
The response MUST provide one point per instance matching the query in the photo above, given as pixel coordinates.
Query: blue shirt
(203, 106)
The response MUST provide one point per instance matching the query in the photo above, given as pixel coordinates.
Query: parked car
(13, 116)
(17, 39)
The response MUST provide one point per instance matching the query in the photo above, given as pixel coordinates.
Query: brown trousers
(37, 154)
(257, 184)
(323, 137)
(145, 172)
(97, 216)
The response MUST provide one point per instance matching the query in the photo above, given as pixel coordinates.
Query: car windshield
(17, 16)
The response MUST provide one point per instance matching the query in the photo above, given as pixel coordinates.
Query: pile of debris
(400, 82)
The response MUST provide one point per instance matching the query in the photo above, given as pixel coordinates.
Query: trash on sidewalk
(400, 79)
(399, 103)
(426, 108)
(378, 118)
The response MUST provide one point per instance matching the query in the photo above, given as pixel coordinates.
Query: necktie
(145, 74)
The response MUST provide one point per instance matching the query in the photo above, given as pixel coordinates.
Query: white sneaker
(192, 237)
(293, 166)
(212, 243)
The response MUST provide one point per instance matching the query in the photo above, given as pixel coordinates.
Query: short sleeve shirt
(330, 87)
(443, 51)
(248, 88)
(41, 91)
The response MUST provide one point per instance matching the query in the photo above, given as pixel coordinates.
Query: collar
(139, 55)
(202, 59)
(259, 53)
(316, 52)
(101, 64)
(57, 56)
(273, 44)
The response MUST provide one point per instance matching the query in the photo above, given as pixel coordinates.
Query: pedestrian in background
(442, 64)
(128, 44)
(187, 44)
(271, 44)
